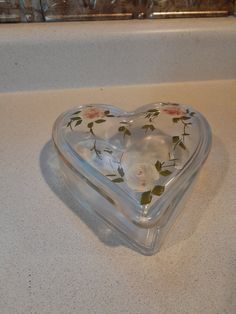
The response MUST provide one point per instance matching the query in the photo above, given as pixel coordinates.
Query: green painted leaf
(98, 151)
(110, 175)
(185, 118)
(121, 171)
(78, 122)
(148, 126)
(107, 113)
(127, 132)
(100, 121)
(153, 110)
(181, 144)
(146, 198)
(121, 129)
(90, 125)
(75, 118)
(158, 190)
(118, 180)
(175, 139)
(158, 165)
(175, 120)
(108, 151)
(165, 173)
(77, 112)
(152, 127)
(192, 114)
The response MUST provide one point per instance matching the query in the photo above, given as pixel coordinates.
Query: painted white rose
(141, 177)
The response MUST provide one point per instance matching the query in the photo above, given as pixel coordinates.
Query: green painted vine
(98, 117)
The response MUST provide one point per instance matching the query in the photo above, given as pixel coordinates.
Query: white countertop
(56, 259)
(110, 53)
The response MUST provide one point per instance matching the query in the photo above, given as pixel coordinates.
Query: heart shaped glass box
(132, 169)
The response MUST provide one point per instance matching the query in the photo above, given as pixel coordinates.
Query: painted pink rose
(173, 111)
(93, 113)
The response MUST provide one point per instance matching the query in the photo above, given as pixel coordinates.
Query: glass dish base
(133, 170)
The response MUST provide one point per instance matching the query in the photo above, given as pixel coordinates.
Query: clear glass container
(132, 169)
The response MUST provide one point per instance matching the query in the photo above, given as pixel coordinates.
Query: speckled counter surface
(56, 259)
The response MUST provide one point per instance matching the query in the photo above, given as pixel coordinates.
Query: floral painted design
(174, 111)
(93, 113)
(140, 177)
(179, 140)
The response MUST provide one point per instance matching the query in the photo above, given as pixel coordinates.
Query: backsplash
(69, 10)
